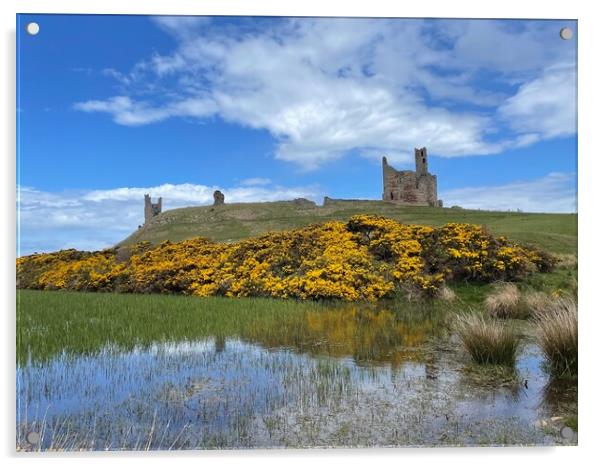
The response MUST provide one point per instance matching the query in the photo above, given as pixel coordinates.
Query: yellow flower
(366, 258)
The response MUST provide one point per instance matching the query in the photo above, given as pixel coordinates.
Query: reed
(505, 302)
(488, 341)
(557, 336)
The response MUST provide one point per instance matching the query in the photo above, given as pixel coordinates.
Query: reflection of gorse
(366, 334)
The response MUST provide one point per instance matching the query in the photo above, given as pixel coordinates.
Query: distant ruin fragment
(218, 198)
(151, 210)
(304, 203)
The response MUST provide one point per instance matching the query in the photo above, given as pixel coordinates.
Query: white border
(590, 154)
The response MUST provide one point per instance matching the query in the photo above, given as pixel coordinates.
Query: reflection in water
(558, 394)
(368, 335)
(339, 377)
(220, 344)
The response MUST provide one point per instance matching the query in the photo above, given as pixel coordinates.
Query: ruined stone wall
(427, 184)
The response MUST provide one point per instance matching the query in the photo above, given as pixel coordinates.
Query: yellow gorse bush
(367, 257)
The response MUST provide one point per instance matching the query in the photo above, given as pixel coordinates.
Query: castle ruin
(409, 187)
(218, 198)
(403, 187)
(151, 209)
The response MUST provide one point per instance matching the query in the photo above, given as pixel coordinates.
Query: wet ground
(339, 385)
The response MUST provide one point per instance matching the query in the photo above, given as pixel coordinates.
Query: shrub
(504, 302)
(469, 252)
(557, 336)
(368, 257)
(488, 341)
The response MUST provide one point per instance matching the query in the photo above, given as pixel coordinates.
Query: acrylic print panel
(262, 232)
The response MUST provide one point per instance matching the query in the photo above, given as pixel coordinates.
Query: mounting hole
(567, 433)
(32, 28)
(566, 33)
(33, 438)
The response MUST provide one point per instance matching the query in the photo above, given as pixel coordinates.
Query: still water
(377, 381)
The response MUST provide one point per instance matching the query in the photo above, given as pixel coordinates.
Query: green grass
(50, 322)
(557, 279)
(232, 222)
(572, 422)
(471, 295)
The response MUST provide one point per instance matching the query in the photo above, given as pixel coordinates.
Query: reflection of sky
(520, 401)
(111, 380)
(216, 391)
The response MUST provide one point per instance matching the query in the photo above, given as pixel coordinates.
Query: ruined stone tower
(218, 198)
(411, 187)
(421, 162)
(151, 210)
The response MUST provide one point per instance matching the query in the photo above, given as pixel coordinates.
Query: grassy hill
(232, 222)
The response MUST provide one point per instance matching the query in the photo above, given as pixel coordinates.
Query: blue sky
(112, 107)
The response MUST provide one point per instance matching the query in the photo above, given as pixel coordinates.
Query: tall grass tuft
(446, 294)
(535, 302)
(557, 336)
(488, 341)
(505, 302)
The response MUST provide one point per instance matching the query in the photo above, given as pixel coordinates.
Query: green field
(232, 222)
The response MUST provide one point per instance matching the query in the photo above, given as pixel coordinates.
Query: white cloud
(97, 219)
(556, 192)
(131, 113)
(256, 182)
(508, 47)
(397, 158)
(325, 87)
(545, 107)
(181, 26)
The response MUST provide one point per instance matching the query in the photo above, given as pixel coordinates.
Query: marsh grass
(505, 302)
(63, 435)
(566, 261)
(488, 341)
(446, 294)
(49, 323)
(241, 373)
(52, 322)
(493, 376)
(557, 336)
(534, 302)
